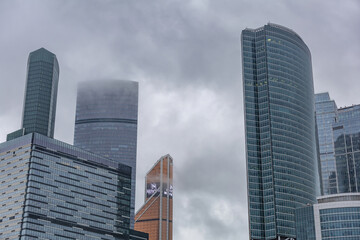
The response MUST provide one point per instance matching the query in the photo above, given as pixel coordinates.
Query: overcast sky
(185, 54)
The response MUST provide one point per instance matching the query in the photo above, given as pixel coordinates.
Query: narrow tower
(280, 129)
(156, 215)
(40, 95)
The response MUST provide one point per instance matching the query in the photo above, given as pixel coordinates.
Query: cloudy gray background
(185, 54)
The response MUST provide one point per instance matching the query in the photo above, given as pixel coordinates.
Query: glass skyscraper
(106, 123)
(346, 132)
(52, 190)
(40, 94)
(326, 111)
(339, 142)
(280, 129)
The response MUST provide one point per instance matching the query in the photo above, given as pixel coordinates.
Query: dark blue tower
(40, 95)
(106, 123)
(280, 129)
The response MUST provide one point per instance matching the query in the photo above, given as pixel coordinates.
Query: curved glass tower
(280, 129)
(106, 123)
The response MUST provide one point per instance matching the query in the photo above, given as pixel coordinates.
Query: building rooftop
(339, 197)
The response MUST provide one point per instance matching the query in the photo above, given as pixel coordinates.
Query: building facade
(305, 223)
(339, 145)
(156, 215)
(52, 190)
(106, 123)
(40, 94)
(326, 111)
(280, 129)
(334, 217)
(346, 132)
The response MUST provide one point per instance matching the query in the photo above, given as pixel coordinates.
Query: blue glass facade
(305, 223)
(106, 123)
(326, 111)
(340, 223)
(339, 141)
(40, 94)
(346, 133)
(334, 217)
(52, 190)
(280, 129)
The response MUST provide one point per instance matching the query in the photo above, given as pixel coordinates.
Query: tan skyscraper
(155, 216)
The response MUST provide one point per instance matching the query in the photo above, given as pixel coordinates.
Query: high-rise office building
(339, 145)
(156, 215)
(40, 94)
(106, 123)
(334, 217)
(52, 190)
(326, 110)
(280, 129)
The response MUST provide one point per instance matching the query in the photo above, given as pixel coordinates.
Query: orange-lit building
(156, 215)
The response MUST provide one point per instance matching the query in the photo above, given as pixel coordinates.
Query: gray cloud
(186, 56)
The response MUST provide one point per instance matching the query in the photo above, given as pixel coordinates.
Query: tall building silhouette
(280, 129)
(106, 123)
(155, 217)
(52, 190)
(40, 94)
(339, 144)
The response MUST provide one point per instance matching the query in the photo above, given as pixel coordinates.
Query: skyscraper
(106, 123)
(156, 215)
(346, 131)
(326, 111)
(339, 144)
(280, 129)
(40, 94)
(52, 190)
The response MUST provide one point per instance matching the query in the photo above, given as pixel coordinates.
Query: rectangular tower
(346, 131)
(326, 111)
(156, 215)
(106, 123)
(40, 94)
(280, 129)
(339, 145)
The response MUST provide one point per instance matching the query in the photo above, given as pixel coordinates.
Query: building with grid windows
(339, 145)
(156, 215)
(40, 94)
(280, 128)
(334, 217)
(326, 110)
(106, 123)
(52, 190)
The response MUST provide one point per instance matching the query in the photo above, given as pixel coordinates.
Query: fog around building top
(186, 56)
